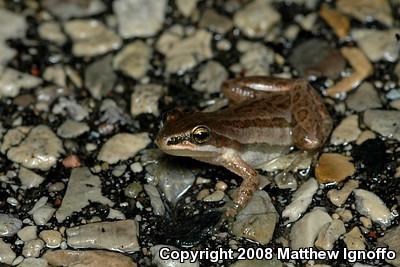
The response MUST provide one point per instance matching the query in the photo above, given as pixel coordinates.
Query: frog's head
(186, 134)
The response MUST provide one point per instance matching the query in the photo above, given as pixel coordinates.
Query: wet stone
(333, 167)
(370, 205)
(91, 38)
(256, 19)
(339, 197)
(27, 233)
(40, 149)
(119, 236)
(376, 44)
(155, 199)
(43, 214)
(6, 54)
(354, 239)
(12, 81)
(72, 129)
(139, 18)
(88, 258)
(7, 255)
(329, 234)
(347, 131)
(366, 11)
(134, 59)
(82, 188)
(183, 53)
(159, 262)
(365, 97)
(215, 22)
(211, 77)
(316, 57)
(186, 7)
(214, 197)
(339, 22)
(173, 179)
(257, 220)
(16, 25)
(301, 200)
(258, 263)
(145, 98)
(133, 190)
(384, 122)
(33, 262)
(117, 148)
(52, 32)
(256, 58)
(69, 9)
(51, 238)
(305, 231)
(391, 238)
(32, 248)
(100, 77)
(29, 179)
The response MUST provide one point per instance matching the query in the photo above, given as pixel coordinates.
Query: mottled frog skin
(266, 118)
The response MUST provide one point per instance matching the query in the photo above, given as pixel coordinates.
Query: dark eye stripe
(177, 139)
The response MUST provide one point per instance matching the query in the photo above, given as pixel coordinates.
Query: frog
(267, 117)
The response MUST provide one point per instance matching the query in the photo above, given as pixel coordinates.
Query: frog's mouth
(185, 149)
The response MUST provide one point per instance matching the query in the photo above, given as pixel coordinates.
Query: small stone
(72, 129)
(16, 25)
(6, 54)
(370, 205)
(9, 225)
(391, 238)
(365, 97)
(43, 214)
(69, 9)
(339, 197)
(119, 236)
(7, 255)
(256, 59)
(29, 179)
(329, 234)
(376, 44)
(347, 131)
(186, 7)
(364, 136)
(155, 199)
(33, 262)
(333, 167)
(55, 74)
(12, 81)
(366, 11)
(300, 200)
(51, 31)
(202, 194)
(27, 233)
(117, 148)
(139, 18)
(211, 77)
(256, 19)
(119, 170)
(100, 77)
(69, 107)
(339, 22)
(32, 248)
(51, 238)
(71, 161)
(145, 99)
(173, 179)
(354, 239)
(134, 59)
(40, 149)
(136, 167)
(83, 187)
(184, 53)
(305, 231)
(395, 104)
(362, 68)
(367, 223)
(257, 220)
(279, 162)
(91, 38)
(88, 258)
(214, 197)
(316, 57)
(384, 122)
(258, 263)
(221, 185)
(215, 22)
(133, 190)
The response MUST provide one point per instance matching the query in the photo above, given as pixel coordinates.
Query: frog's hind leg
(245, 88)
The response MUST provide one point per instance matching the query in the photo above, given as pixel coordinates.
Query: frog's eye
(201, 134)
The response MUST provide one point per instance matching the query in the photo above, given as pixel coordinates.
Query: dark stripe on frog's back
(263, 120)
